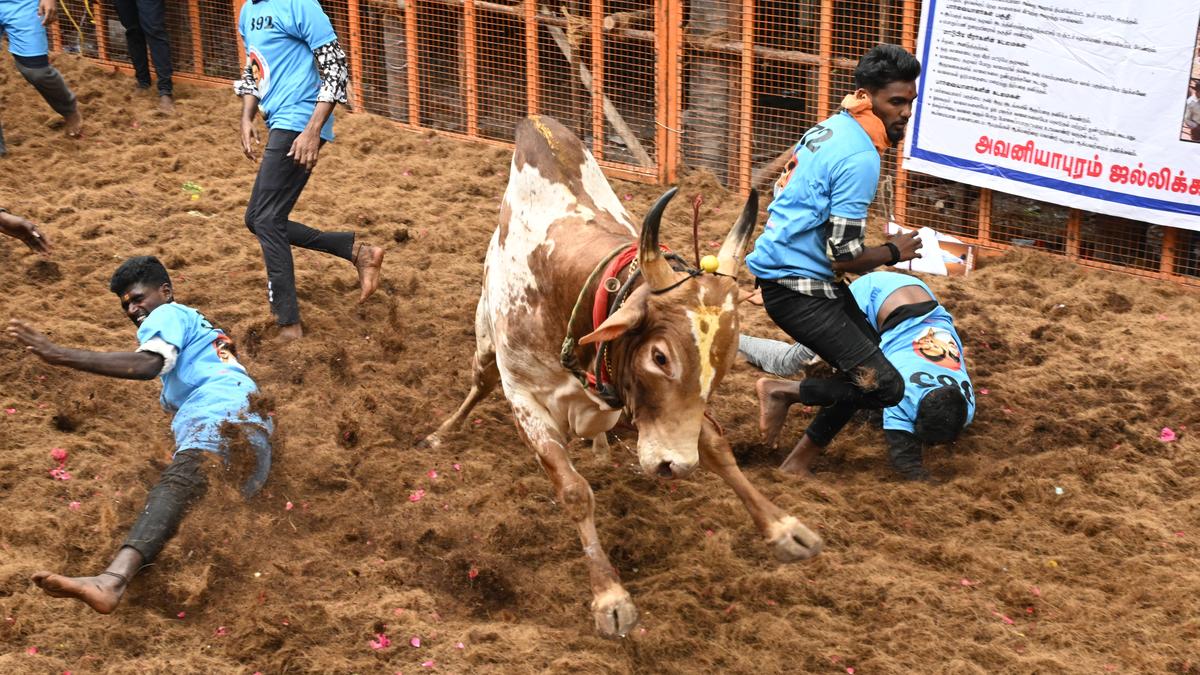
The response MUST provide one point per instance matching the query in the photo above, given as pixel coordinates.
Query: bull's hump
(560, 159)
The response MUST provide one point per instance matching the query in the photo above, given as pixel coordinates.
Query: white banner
(1085, 103)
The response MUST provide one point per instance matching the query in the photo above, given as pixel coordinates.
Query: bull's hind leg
(612, 608)
(484, 377)
(789, 539)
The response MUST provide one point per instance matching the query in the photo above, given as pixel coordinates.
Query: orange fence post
(412, 58)
(237, 13)
(1074, 222)
(746, 99)
(985, 216)
(356, 59)
(908, 38)
(531, 57)
(597, 12)
(472, 68)
(197, 36)
(825, 56)
(56, 37)
(1170, 245)
(667, 150)
(101, 33)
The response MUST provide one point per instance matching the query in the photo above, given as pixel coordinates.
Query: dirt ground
(1065, 538)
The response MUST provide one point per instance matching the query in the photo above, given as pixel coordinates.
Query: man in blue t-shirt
(203, 385)
(919, 339)
(295, 74)
(24, 23)
(815, 233)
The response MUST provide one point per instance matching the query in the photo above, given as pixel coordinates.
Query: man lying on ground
(918, 338)
(19, 228)
(203, 384)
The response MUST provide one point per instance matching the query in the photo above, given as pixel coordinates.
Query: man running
(24, 22)
(918, 339)
(295, 74)
(27, 232)
(145, 23)
(203, 384)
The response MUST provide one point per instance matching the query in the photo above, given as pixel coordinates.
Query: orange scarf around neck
(860, 110)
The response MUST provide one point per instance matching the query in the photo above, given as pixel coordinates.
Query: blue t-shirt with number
(925, 349)
(280, 37)
(206, 386)
(833, 172)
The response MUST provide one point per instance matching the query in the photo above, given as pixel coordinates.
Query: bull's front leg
(612, 608)
(789, 539)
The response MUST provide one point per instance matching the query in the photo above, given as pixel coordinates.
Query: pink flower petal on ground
(381, 641)
(459, 645)
(429, 664)
(1166, 435)
(983, 391)
(967, 582)
(32, 650)
(1003, 618)
(415, 641)
(708, 533)
(222, 630)
(1037, 592)
(472, 573)
(74, 506)
(58, 454)
(850, 670)
(398, 611)
(416, 496)
(432, 473)
(181, 615)
(13, 411)
(60, 474)
(458, 467)
(477, 421)
(1178, 534)
(289, 506)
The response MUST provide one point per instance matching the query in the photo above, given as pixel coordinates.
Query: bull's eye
(660, 358)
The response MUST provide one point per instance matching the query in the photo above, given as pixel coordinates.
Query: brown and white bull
(668, 350)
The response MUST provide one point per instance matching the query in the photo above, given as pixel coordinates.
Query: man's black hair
(145, 269)
(940, 416)
(885, 64)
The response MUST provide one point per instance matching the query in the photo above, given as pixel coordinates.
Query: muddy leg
(788, 538)
(484, 377)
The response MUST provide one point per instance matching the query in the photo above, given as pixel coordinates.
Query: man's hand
(47, 9)
(34, 341)
(250, 139)
(305, 148)
(26, 231)
(909, 245)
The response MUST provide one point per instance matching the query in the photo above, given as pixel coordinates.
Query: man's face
(893, 105)
(140, 299)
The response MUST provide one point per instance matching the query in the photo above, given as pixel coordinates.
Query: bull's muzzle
(664, 463)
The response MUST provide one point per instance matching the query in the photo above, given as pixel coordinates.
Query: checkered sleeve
(246, 85)
(846, 237)
(335, 74)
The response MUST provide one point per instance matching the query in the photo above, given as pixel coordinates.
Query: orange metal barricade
(654, 87)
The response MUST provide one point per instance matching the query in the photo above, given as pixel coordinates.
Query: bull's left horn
(654, 266)
(734, 248)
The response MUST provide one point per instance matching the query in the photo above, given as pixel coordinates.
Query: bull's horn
(654, 266)
(734, 248)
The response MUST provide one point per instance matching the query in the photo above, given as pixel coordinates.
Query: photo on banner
(1072, 102)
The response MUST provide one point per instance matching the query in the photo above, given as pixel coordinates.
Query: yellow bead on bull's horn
(710, 263)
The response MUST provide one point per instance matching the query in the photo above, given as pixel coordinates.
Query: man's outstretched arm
(125, 365)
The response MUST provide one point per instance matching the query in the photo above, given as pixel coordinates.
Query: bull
(661, 340)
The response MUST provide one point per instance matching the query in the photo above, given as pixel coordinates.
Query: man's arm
(24, 230)
(868, 259)
(125, 365)
(247, 88)
(335, 76)
(904, 451)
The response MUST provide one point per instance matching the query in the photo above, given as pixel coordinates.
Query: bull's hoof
(792, 541)
(432, 441)
(614, 613)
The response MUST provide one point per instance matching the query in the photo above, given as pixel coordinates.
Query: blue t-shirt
(20, 23)
(925, 349)
(280, 37)
(834, 172)
(206, 386)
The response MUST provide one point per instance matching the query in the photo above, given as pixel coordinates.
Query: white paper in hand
(931, 260)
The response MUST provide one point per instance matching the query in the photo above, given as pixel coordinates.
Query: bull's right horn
(654, 266)
(734, 248)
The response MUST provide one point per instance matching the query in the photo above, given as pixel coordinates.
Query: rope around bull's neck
(567, 355)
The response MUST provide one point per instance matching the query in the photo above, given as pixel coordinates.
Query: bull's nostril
(664, 470)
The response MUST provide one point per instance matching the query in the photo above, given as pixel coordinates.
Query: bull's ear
(623, 319)
(734, 248)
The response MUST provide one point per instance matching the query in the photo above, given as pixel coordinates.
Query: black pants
(181, 485)
(840, 334)
(279, 184)
(145, 23)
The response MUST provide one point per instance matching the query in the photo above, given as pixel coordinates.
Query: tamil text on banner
(1090, 104)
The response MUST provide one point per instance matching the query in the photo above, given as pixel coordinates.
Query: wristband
(895, 252)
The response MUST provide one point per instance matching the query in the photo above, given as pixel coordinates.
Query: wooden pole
(985, 216)
(413, 62)
(471, 70)
(598, 98)
(531, 57)
(356, 55)
(668, 151)
(908, 36)
(197, 36)
(746, 99)
(1170, 246)
(1074, 223)
(825, 51)
(395, 64)
(101, 30)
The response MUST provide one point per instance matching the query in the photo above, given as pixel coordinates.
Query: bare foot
(800, 461)
(73, 124)
(166, 104)
(774, 399)
(369, 262)
(290, 332)
(102, 593)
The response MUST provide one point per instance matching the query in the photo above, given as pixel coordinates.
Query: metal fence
(654, 87)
